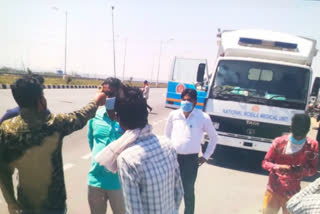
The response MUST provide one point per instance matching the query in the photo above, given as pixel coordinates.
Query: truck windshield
(261, 83)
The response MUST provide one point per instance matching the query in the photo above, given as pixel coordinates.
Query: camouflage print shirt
(32, 143)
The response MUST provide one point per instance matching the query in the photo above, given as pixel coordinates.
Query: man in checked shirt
(148, 167)
(307, 200)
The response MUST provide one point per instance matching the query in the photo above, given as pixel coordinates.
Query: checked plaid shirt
(150, 176)
(307, 201)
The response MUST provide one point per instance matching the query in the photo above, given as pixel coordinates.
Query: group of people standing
(132, 168)
(154, 173)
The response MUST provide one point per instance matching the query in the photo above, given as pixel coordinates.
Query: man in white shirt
(185, 128)
(145, 91)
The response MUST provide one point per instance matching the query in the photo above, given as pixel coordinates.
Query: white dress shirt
(186, 133)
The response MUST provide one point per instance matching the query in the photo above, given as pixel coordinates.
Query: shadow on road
(238, 159)
(243, 160)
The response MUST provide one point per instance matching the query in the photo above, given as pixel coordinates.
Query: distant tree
(68, 79)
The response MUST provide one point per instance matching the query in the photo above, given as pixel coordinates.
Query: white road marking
(67, 166)
(87, 156)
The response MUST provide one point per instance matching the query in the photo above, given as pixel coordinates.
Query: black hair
(112, 82)
(300, 124)
(131, 108)
(27, 90)
(191, 92)
(39, 77)
(145, 82)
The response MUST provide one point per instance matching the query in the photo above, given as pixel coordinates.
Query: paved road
(231, 183)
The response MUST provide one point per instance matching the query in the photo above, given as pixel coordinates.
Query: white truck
(261, 79)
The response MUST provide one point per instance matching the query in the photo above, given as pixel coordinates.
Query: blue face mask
(110, 103)
(297, 142)
(186, 106)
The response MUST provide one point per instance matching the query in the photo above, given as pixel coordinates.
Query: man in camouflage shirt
(32, 143)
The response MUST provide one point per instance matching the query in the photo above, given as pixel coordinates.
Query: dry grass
(10, 78)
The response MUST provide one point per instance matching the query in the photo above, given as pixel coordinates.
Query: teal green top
(102, 131)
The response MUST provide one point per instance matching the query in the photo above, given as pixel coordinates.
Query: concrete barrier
(8, 86)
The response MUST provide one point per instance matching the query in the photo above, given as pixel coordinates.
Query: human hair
(131, 108)
(112, 82)
(27, 90)
(39, 77)
(145, 82)
(300, 124)
(191, 92)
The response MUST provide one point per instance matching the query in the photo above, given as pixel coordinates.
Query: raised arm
(76, 120)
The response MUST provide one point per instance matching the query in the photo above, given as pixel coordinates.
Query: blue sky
(32, 32)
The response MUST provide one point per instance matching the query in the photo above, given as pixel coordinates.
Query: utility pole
(65, 40)
(124, 58)
(159, 63)
(65, 44)
(114, 49)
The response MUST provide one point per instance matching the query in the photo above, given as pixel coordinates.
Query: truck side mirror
(315, 87)
(200, 73)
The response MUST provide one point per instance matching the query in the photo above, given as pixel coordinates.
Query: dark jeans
(57, 211)
(149, 107)
(189, 170)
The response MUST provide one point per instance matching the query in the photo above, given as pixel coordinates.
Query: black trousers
(189, 170)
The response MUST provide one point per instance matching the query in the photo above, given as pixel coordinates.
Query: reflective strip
(178, 100)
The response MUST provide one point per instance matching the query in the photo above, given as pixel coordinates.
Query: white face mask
(110, 103)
